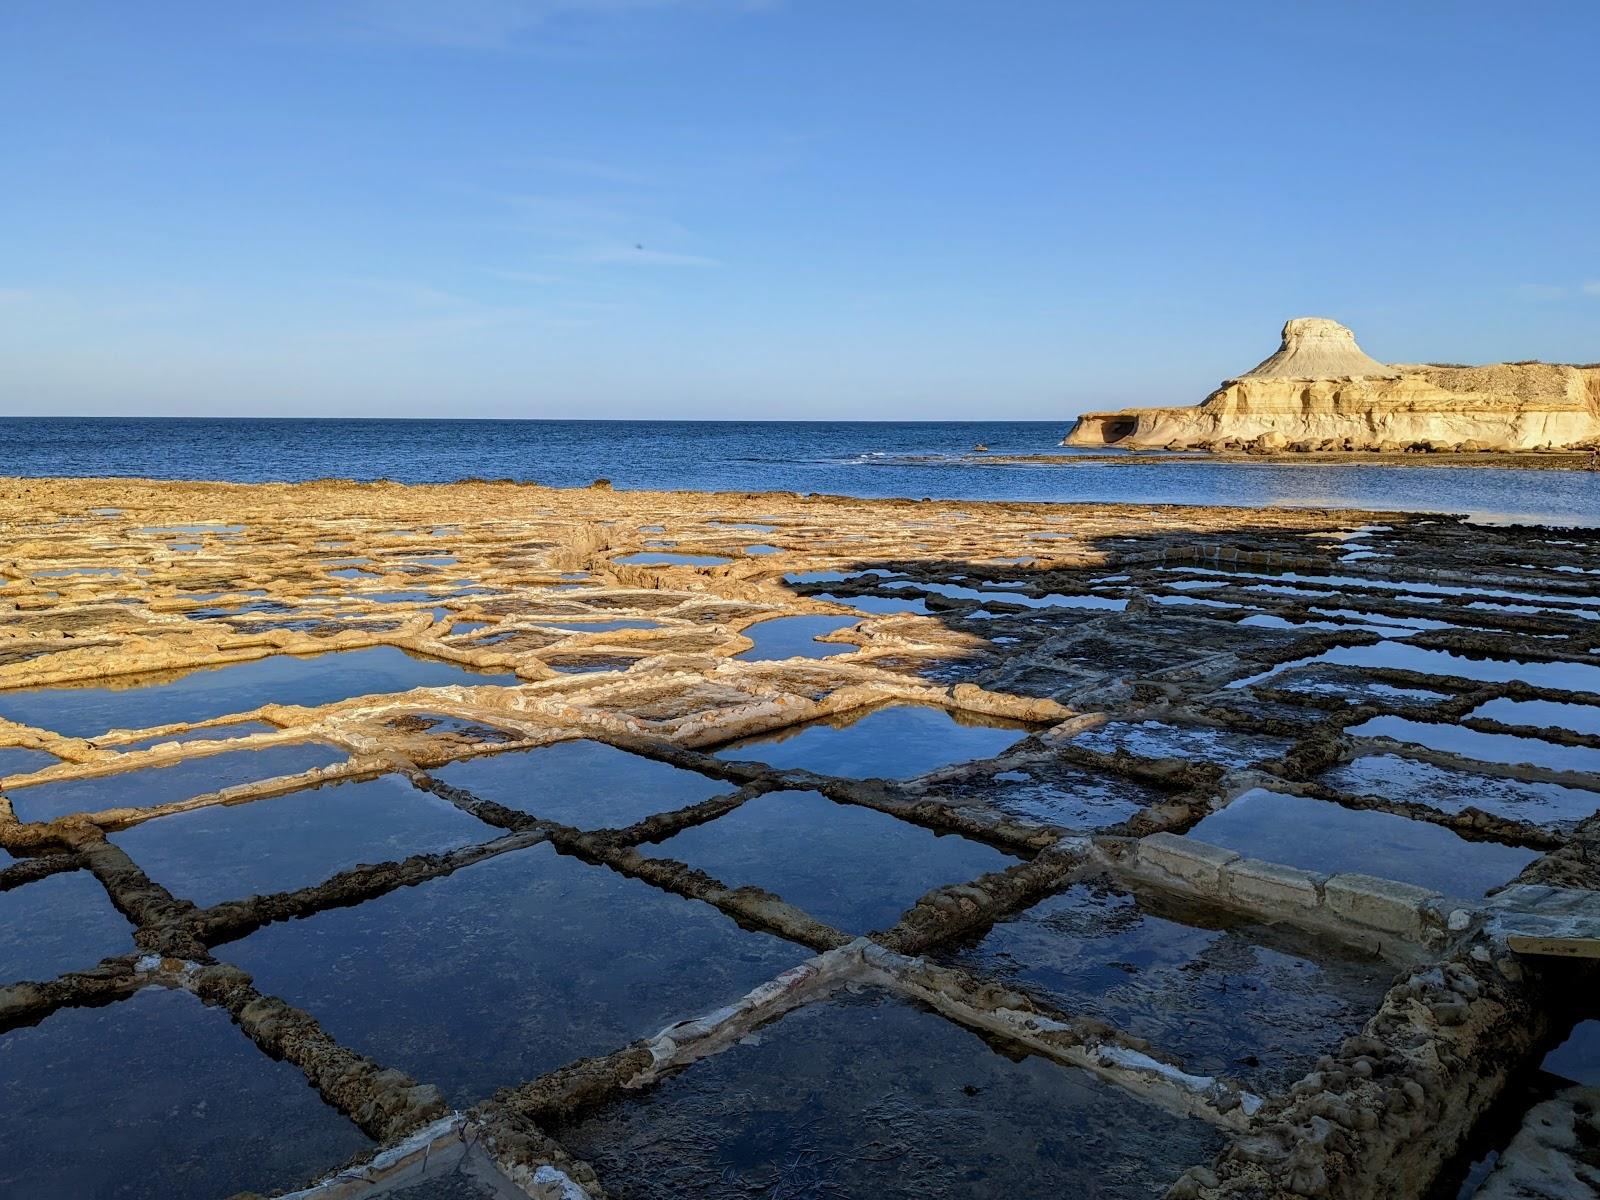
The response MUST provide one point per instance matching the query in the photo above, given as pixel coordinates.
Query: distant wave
(887, 458)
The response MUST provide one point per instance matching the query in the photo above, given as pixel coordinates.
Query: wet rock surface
(427, 792)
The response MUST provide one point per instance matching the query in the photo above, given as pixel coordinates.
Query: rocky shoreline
(1320, 393)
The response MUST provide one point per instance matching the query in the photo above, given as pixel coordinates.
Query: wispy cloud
(1592, 288)
(14, 295)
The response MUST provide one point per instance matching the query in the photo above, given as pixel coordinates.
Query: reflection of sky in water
(894, 742)
(869, 1096)
(1318, 835)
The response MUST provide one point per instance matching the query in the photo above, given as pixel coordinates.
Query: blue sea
(867, 458)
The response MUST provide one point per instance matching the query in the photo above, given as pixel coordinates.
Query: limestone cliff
(1320, 391)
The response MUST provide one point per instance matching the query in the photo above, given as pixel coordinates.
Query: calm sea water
(909, 459)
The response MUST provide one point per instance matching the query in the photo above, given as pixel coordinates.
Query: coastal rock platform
(573, 843)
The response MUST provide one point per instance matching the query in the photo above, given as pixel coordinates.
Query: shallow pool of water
(584, 783)
(1053, 600)
(508, 968)
(1579, 718)
(157, 1096)
(1352, 685)
(287, 842)
(1450, 790)
(1227, 996)
(149, 786)
(895, 742)
(1485, 747)
(651, 559)
(1388, 585)
(1318, 835)
(1156, 739)
(216, 528)
(413, 596)
(879, 604)
(63, 922)
(1564, 676)
(795, 637)
(21, 760)
(850, 867)
(165, 698)
(1058, 793)
(575, 625)
(868, 1096)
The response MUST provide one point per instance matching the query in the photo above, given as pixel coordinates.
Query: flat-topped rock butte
(575, 843)
(1321, 393)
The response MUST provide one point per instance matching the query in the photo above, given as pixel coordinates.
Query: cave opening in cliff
(1115, 430)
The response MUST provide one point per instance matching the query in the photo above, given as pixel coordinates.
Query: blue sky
(775, 208)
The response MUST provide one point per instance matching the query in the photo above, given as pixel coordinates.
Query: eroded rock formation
(1321, 392)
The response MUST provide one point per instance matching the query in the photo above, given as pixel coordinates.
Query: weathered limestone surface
(1320, 392)
(1154, 665)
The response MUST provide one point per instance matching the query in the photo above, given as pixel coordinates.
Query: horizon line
(561, 420)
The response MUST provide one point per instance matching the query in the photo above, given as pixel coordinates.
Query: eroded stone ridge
(1320, 392)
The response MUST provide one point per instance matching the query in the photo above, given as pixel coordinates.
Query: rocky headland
(1320, 393)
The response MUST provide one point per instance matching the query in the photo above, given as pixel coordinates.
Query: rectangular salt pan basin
(1563, 676)
(584, 783)
(795, 637)
(1059, 793)
(1485, 747)
(850, 867)
(140, 701)
(1226, 996)
(158, 1097)
(1155, 739)
(63, 922)
(896, 742)
(20, 760)
(647, 559)
(150, 786)
(287, 842)
(1450, 790)
(1318, 835)
(871, 1097)
(1578, 718)
(508, 968)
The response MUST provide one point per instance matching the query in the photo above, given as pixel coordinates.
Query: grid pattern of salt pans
(463, 913)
